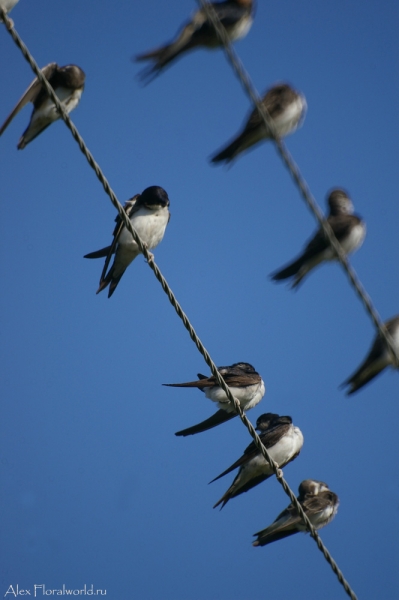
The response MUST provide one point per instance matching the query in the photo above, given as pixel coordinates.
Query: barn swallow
(377, 359)
(235, 15)
(281, 439)
(348, 228)
(7, 6)
(68, 84)
(245, 384)
(320, 505)
(149, 214)
(285, 106)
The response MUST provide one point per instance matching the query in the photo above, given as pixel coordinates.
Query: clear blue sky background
(95, 487)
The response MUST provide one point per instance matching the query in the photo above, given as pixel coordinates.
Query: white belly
(248, 397)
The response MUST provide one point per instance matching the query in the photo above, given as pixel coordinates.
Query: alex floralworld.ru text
(41, 590)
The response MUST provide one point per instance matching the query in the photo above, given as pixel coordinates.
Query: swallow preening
(284, 105)
(67, 82)
(236, 16)
(377, 359)
(282, 440)
(149, 215)
(319, 504)
(245, 384)
(348, 228)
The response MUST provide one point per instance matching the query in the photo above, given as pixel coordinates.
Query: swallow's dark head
(72, 76)
(154, 196)
(339, 203)
(242, 366)
(311, 487)
(264, 421)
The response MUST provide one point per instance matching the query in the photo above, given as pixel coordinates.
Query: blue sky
(95, 486)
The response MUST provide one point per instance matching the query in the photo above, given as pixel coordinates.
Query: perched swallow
(281, 439)
(348, 228)
(149, 214)
(235, 15)
(287, 109)
(7, 6)
(377, 359)
(68, 84)
(319, 504)
(245, 384)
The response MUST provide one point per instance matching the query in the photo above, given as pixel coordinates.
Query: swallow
(377, 359)
(7, 6)
(285, 106)
(236, 16)
(149, 214)
(68, 84)
(245, 384)
(319, 503)
(349, 229)
(281, 439)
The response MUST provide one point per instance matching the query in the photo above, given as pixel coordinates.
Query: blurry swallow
(377, 359)
(7, 6)
(348, 228)
(68, 84)
(245, 384)
(149, 214)
(281, 439)
(285, 106)
(235, 15)
(319, 504)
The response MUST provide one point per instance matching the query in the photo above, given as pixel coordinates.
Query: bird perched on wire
(7, 6)
(319, 504)
(377, 359)
(285, 106)
(245, 384)
(236, 16)
(149, 215)
(68, 84)
(349, 229)
(282, 440)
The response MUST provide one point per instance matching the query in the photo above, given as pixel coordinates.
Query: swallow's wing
(130, 206)
(29, 95)
(341, 226)
(268, 438)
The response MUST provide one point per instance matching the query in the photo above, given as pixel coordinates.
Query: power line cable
(64, 115)
(299, 180)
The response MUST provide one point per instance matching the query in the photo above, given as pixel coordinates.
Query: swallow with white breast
(67, 82)
(245, 384)
(236, 16)
(285, 106)
(319, 504)
(377, 359)
(349, 229)
(149, 215)
(282, 440)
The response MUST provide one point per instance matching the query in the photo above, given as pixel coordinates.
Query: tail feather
(288, 271)
(110, 281)
(162, 57)
(229, 152)
(98, 253)
(364, 374)
(221, 416)
(236, 490)
(264, 537)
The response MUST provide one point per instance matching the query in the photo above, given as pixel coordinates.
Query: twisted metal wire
(173, 299)
(299, 180)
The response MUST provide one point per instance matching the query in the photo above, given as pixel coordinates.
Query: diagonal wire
(173, 299)
(295, 173)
